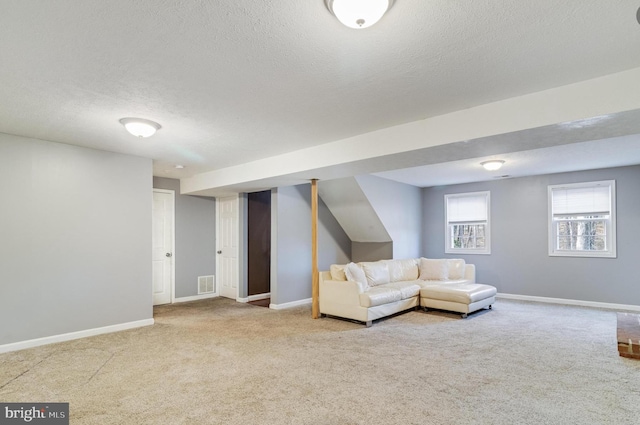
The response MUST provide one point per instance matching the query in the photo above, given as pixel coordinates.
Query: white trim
(173, 240)
(608, 306)
(291, 304)
(195, 298)
(217, 241)
(30, 343)
(273, 276)
(448, 249)
(611, 230)
(255, 297)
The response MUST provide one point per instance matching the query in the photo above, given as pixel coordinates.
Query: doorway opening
(259, 247)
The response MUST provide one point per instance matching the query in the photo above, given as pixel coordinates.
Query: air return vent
(205, 285)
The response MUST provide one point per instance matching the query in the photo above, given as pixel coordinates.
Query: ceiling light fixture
(358, 13)
(140, 127)
(492, 165)
(179, 166)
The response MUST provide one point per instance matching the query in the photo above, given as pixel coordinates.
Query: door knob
(219, 252)
(168, 254)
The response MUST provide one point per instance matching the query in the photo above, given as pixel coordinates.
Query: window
(467, 223)
(582, 219)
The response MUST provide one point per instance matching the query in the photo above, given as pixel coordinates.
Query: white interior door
(227, 263)
(162, 241)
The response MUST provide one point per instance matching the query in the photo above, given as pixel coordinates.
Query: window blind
(581, 200)
(467, 208)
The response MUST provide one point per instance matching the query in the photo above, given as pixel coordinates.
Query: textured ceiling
(614, 152)
(232, 81)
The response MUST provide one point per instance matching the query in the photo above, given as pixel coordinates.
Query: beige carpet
(220, 362)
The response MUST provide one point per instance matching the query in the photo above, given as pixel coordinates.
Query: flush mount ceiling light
(140, 127)
(492, 165)
(358, 13)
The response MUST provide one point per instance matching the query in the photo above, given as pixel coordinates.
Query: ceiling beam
(577, 112)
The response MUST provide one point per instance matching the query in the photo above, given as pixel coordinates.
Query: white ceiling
(614, 152)
(234, 81)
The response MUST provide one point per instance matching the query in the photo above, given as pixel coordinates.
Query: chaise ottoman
(459, 297)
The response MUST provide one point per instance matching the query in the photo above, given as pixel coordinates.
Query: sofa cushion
(463, 293)
(337, 272)
(456, 268)
(402, 270)
(407, 289)
(354, 273)
(379, 295)
(424, 283)
(431, 269)
(377, 272)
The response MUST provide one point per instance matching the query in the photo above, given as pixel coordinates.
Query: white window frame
(610, 237)
(447, 225)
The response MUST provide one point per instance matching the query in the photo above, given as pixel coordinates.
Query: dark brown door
(259, 243)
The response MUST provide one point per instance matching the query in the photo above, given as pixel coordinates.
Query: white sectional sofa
(371, 290)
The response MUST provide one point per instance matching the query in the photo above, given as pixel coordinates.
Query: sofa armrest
(470, 272)
(341, 292)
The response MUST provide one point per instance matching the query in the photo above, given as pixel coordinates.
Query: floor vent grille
(205, 285)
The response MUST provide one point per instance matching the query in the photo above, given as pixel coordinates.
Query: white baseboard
(290, 305)
(21, 345)
(608, 306)
(194, 298)
(254, 297)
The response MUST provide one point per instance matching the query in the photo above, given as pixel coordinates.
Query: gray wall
(291, 243)
(195, 230)
(75, 232)
(519, 262)
(399, 207)
(371, 251)
(352, 209)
